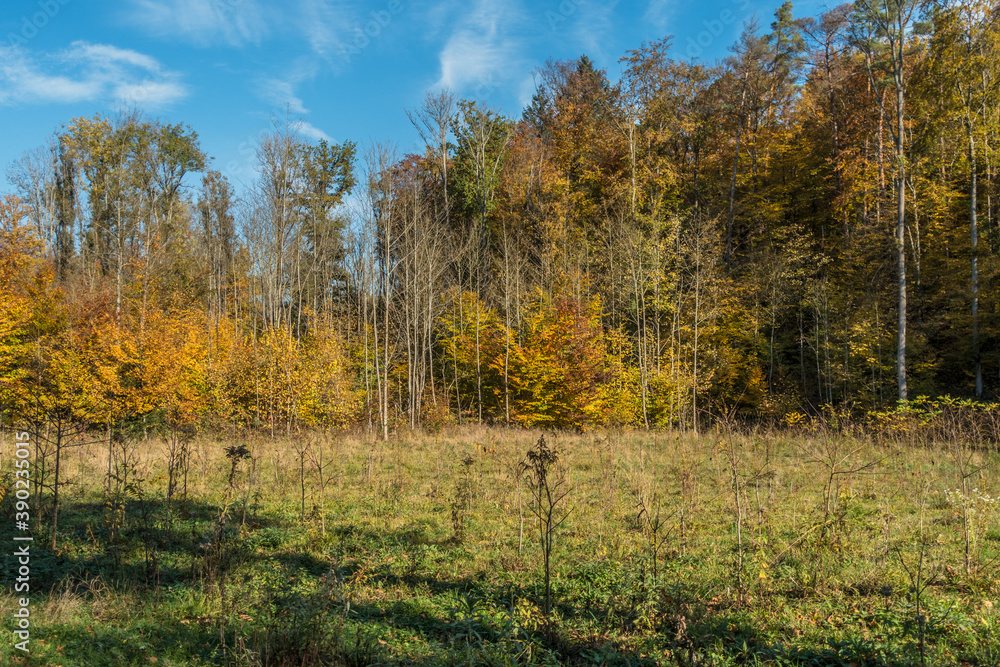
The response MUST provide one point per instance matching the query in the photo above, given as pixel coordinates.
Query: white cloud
(86, 72)
(326, 25)
(312, 132)
(106, 56)
(150, 93)
(591, 27)
(436, 18)
(281, 95)
(658, 13)
(281, 92)
(202, 22)
(481, 49)
(20, 80)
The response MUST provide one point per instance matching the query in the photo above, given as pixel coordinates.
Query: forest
(693, 367)
(811, 222)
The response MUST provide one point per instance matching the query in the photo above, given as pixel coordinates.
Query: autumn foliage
(809, 224)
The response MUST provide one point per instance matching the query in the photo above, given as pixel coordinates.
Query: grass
(729, 549)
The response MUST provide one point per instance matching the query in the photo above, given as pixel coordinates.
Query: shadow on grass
(144, 551)
(474, 611)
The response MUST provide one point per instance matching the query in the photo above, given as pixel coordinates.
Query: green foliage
(481, 136)
(390, 585)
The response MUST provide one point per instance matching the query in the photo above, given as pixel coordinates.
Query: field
(801, 547)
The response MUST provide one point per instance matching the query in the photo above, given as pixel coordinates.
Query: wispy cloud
(482, 47)
(593, 25)
(658, 13)
(310, 131)
(86, 72)
(281, 95)
(326, 25)
(280, 92)
(152, 94)
(202, 22)
(436, 19)
(108, 57)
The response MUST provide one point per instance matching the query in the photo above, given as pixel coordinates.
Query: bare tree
(376, 214)
(218, 236)
(433, 123)
(34, 175)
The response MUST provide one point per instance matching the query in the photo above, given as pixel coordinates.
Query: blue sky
(341, 69)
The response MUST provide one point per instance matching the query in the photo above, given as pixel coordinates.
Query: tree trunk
(900, 229)
(736, 164)
(974, 235)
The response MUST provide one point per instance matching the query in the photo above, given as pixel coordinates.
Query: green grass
(677, 550)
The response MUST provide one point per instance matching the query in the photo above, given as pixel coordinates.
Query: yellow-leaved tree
(326, 395)
(562, 372)
(19, 276)
(470, 345)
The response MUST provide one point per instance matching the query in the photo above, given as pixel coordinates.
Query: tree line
(812, 221)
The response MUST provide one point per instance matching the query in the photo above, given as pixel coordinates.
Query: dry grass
(793, 535)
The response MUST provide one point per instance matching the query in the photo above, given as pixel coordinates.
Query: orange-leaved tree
(561, 372)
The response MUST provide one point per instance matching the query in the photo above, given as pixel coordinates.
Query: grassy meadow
(795, 547)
